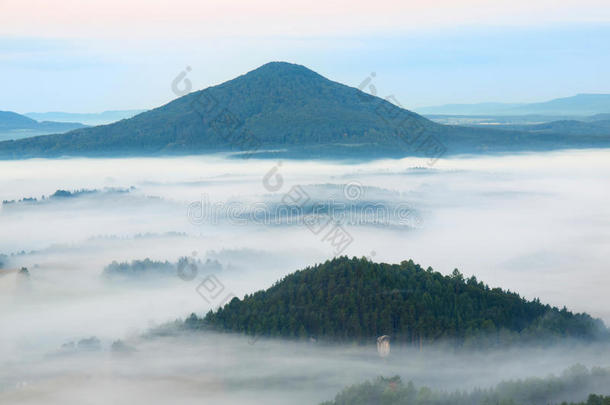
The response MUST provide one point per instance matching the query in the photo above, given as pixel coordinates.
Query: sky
(92, 56)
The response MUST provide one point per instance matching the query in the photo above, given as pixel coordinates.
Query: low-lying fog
(536, 224)
(226, 369)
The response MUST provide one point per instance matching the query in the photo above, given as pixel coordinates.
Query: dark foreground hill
(288, 107)
(358, 300)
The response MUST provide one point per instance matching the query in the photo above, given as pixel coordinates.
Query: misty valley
(475, 279)
(306, 203)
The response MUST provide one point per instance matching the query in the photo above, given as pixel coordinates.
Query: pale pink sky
(177, 18)
(94, 55)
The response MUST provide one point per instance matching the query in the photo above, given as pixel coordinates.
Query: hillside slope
(289, 107)
(358, 300)
(278, 104)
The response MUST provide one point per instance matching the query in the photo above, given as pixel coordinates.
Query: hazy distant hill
(288, 107)
(11, 120)
(581, 104)
(572, 127)
(102, 118)
(596, 125)
(358, 300)
(17, 126)
(492, 121)
(468, 109)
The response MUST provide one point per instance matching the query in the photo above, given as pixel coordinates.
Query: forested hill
(358, 300)
(289, 107)
(574, 384)
(278, 104)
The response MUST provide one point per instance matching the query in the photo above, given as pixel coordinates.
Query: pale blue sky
(453, 64)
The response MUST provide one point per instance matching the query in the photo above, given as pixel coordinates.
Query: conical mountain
(277, 105)
(286, 107)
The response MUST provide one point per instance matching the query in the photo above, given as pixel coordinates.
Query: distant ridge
(12, 120)
(16, 126)
(580, 104)
(105, 117)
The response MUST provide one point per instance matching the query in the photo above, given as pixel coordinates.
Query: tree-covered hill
(574, 384)
(286, 106)
(276, 104)
(358, 300)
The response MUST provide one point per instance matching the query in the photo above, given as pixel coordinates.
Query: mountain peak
(282, 69)
(282, 66)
